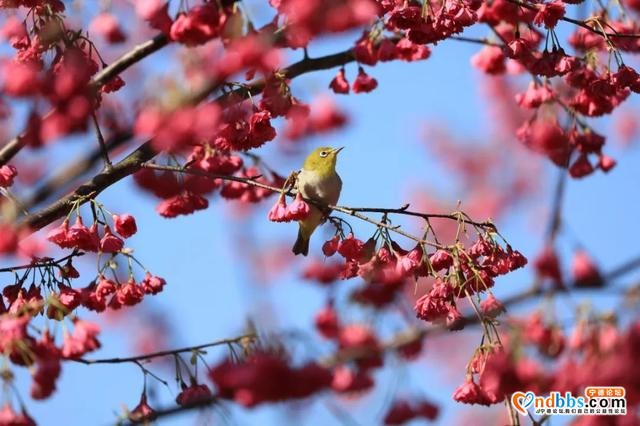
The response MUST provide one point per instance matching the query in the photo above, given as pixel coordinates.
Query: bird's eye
(323, 153)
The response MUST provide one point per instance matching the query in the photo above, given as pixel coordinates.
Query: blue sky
(212, 290)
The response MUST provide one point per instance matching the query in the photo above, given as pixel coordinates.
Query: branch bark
(90, 189)
(58, 183)
(128, 59)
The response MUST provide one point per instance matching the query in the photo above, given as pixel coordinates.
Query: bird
(317, 181)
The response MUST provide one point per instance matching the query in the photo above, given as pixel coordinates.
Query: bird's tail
(301, 245)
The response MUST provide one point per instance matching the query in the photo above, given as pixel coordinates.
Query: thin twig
(101, 143)
(43, 263)
(578, 22)
(168, 352)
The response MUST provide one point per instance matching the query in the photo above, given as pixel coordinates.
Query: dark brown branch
(56, 184)
(304, 66)
(8, 151)
(40, 263)
(90, 189)
(239, 339)
(125, 61)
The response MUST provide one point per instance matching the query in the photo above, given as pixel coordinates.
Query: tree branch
(90, 189)
(55, 184)
(239, 339)
(125, 61)
(351, 211)
(43, 262)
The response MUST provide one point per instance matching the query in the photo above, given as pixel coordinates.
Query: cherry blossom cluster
(63, 82)
(45, 289)
(596, 351)
(404, 410)
(102, 292)
(41, 354)
(584, 272)
(584, 85)
(474, 271)
(281, 212)
(458, 272)
(184, 193)
(266, 377)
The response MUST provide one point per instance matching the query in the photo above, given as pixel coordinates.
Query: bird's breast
(322, 188)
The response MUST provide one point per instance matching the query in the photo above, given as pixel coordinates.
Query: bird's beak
(337, 150)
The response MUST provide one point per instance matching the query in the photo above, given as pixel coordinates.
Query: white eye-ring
(323, 154)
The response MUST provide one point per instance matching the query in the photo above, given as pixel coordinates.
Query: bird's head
(322, 160)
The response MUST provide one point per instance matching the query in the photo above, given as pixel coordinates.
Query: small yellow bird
(317, 180)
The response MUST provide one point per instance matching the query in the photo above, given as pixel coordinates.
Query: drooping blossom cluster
(79, 236)
(584, 272)
(388, 272)
(41, 353)
(578, 86)
(404, 410)
(458, 273)
(281, 212)
(54, 298)
(64, 84)
(102, 292)
(268, 377)
(476, 269)
(593, 352)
